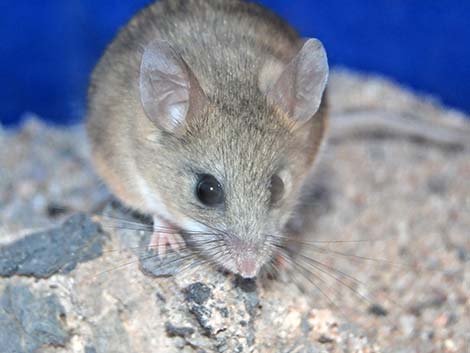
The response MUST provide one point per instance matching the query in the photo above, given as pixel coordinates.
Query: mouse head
(229, 166)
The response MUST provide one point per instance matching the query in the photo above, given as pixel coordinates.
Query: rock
(29, 322)
(378, 310)
(408, 324)
(124, 299)
(463, 255)
(325, 339)
(110, 334)
(198, 293)
(172, 330)
(57, 250)
(438, 184)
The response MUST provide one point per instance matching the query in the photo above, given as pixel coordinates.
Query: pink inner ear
(299, 89)
(168, 88)
(282, 93)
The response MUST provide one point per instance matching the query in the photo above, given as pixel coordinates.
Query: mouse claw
(164, 236)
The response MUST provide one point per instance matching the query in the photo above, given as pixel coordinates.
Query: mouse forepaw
(164, 236)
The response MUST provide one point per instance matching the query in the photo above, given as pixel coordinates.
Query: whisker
(124, 227)
(315, 263)
(358, 257)
(121, 266)
(314, 242)
(216, 256)
(190, 269)
(108, 218)
(150, 228)
(323, 268)
(145, 258)
(198, 263)
(177, 261)
(215, 229)
(194, 253)
(355, 280)
(325, 251)
(304, 271)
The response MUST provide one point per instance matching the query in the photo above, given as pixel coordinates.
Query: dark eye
(209, 191)
(277, 189)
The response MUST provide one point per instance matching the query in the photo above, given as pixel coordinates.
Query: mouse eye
(277, 189)
(209, 191)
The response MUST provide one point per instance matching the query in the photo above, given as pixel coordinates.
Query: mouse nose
(247, 267)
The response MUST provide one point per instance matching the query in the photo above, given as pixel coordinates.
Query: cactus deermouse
(208, 115)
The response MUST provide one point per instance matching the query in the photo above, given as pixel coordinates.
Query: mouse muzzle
(247, 258)
(247, 266)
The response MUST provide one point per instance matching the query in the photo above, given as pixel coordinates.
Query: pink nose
(247, 267)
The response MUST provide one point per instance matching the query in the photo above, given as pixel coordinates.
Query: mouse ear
(169, 91)
(299, 89)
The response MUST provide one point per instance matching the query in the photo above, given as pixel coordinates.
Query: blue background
(48, 48)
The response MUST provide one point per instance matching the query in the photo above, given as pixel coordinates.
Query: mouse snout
(246, 257)
(247, 267)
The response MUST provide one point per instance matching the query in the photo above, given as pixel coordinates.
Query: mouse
(209, 116)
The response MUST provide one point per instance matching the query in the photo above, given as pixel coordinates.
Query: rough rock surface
(42, 254)
(385, 262)
(29, 322)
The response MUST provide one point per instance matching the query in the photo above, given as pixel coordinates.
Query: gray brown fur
(239, 137)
